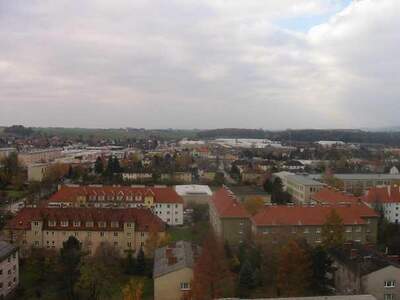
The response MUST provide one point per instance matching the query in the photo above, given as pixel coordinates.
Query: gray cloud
(198, 64)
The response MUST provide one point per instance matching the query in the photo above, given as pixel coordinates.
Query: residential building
(39, 156)
(229, 219)
(125, 229)
(161, 200)
(360, 269)
(302, 188)
(173, 270)
(9, 269)
(5, 152)
(386, 200)
(181, 177)
(346, 297)
(293, 166)
(276, 222)
(359, 183)
(194, 193)
(283, 175)
(329, 195)
(137, 176)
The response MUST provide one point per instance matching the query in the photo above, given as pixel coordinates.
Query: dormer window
(101, 224)
(101, 198)
(52, 223)
(64, 223)
(114, 224)
(89, 224)
(129, 198)
(77, 223)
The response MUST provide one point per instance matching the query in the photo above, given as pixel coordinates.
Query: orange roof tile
(383, 195)
(227, 205)
(311, 215)
(161, 194)
(330, 196)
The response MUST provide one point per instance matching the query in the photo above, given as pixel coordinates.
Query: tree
(322, 266)
(278, 195)
(154, 241)
(211, 275)
(98, 166)
(332, 233)
(70, 258)
(268, 185)
(133, 290)
(254, 204)
(130, 265)
(219, 178)
(246, 279)
(294, 271)
(140, 263)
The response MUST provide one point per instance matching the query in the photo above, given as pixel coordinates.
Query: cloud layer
(200, 64)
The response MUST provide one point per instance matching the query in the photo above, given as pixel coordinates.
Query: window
(114, 224)
(89, 224)
(388, 297)
(129, 245)
(185, 286)
(390, 283)
(36, 223)
(102, 233)
(101, 224)
(1, 272)
(358, 229)
(77, 223)
(64, 223)
(306, 230)
(318, 230)
(348, 229)
(142, 234)
(115, 233)
(52, 223)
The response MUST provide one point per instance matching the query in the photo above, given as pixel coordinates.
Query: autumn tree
(211, 275)
(332, 233)
(133, 290)
(254, 205)
(330, 179)
(156, 240)
(294, 270)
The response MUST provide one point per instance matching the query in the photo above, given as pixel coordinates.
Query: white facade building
(9, 269)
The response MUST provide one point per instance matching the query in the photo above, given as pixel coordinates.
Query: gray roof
(6, 249)
(183, 255)
(303, 180)
(361, 176)
(344, 297)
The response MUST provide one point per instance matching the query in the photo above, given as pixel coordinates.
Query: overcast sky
(269, 64)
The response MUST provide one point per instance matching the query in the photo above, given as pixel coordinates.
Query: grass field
(194, 233)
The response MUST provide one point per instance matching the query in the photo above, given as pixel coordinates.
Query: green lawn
(194, 233)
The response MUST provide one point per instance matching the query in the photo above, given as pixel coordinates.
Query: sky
(271, 64)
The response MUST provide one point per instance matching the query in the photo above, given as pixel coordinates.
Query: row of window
(9, 283)
(317, 230)
(14, 268)
(89, 224)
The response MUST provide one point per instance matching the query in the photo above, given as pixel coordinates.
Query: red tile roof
(330, 196)
(383, 195)
(161, 194)
(143, 218)
(312, 215)
(227, 205)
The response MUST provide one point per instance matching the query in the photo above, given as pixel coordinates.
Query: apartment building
(5, 152)
(9, 269)
(125, 229)
(302, 188)
(163, 201)
(173, 270)
(360, 269)
(39, 156)
(385, 199)
(277, 222)
(359, 183)
(229, 219)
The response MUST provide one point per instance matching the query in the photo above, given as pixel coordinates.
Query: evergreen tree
(70, 258)
(130, 266)
(246, 279)
(116, 166)
(98, 166)
(140, 263)
(322, 266)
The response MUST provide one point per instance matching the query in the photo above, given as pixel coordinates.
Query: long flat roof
(360, 176)
(304, 180)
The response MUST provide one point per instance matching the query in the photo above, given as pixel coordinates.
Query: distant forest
(286, 136)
